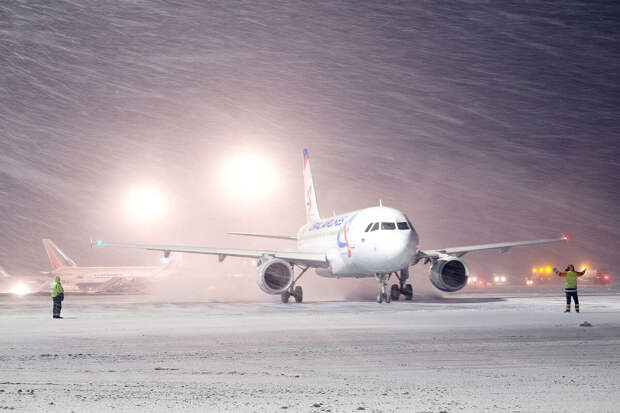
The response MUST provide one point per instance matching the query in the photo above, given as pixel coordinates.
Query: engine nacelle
(449, 274)
(274, 276)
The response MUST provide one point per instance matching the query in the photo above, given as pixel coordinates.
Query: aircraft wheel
(408, 292)
(379, 298)
(298, 293)
(395, 292)
(285, 296)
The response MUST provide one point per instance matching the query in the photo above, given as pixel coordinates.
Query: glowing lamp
(20, 289)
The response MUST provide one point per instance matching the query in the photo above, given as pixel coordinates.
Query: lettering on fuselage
(332, 222)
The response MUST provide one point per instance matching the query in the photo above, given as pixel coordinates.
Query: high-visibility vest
(571, 280)
(56, 287)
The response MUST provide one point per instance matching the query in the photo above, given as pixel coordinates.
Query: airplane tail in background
(57, 257)
(312, 209)
(3, 273)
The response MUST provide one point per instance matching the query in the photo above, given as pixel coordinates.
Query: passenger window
(403, 225)
(388, 225)
(375, 227)
(368, 227)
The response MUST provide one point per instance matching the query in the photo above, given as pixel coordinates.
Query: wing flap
(305, 258)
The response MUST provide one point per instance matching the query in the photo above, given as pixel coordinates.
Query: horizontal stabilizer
(250, 234)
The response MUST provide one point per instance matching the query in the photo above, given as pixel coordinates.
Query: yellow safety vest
(570, 283)
(56, 288)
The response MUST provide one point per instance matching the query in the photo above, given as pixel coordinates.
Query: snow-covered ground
(472, 353)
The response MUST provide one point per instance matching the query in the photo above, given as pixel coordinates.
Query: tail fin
(57, 257)
(312, 209)
(3, 273)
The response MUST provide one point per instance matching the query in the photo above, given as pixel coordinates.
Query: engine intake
(274, 276)
(449, 274)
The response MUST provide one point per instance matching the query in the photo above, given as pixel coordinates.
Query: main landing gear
(295, 291)
(397, 289)
(401, 287)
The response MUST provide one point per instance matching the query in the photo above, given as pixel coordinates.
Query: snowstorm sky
(483, 121)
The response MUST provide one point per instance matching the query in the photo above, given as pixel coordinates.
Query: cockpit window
(403, 225)
(368, 227)
(388, 225)
(375, 227)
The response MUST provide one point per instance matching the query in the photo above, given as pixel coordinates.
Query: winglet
(98, 243)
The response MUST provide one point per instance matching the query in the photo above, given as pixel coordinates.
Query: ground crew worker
(570, 285)
(58, 294)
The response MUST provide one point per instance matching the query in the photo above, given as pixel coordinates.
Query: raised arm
(560, 274)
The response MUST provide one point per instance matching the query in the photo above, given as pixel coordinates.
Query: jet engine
(449, 274)
(274, 276)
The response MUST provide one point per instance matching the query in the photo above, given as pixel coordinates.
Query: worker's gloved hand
(584, 270)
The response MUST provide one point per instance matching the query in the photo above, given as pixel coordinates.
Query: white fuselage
(355, 248)
(79, 275)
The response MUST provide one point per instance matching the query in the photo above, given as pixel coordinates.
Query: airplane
(100, 279)
(371, 242)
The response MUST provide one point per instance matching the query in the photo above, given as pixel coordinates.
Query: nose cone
(396, 249)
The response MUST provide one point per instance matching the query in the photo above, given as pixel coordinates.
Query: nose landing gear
(382, 295)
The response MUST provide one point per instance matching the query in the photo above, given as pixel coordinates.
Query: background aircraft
(102, 279)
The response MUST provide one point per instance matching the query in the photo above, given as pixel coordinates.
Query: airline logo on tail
(312, 211)
(56, 256)
(309, 202)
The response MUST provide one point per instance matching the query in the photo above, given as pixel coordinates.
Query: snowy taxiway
(471, 353)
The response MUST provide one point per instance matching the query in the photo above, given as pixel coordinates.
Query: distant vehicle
(540, 275)
(499, 279)
(102, 279)
(601, 276)
(373, 242)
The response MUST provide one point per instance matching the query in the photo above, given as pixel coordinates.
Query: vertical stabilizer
(57, 257)
(4, 274)
(312, 209)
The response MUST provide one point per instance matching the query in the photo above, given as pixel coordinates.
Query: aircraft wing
(302, 258)
(252, 234)
(502, 246)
